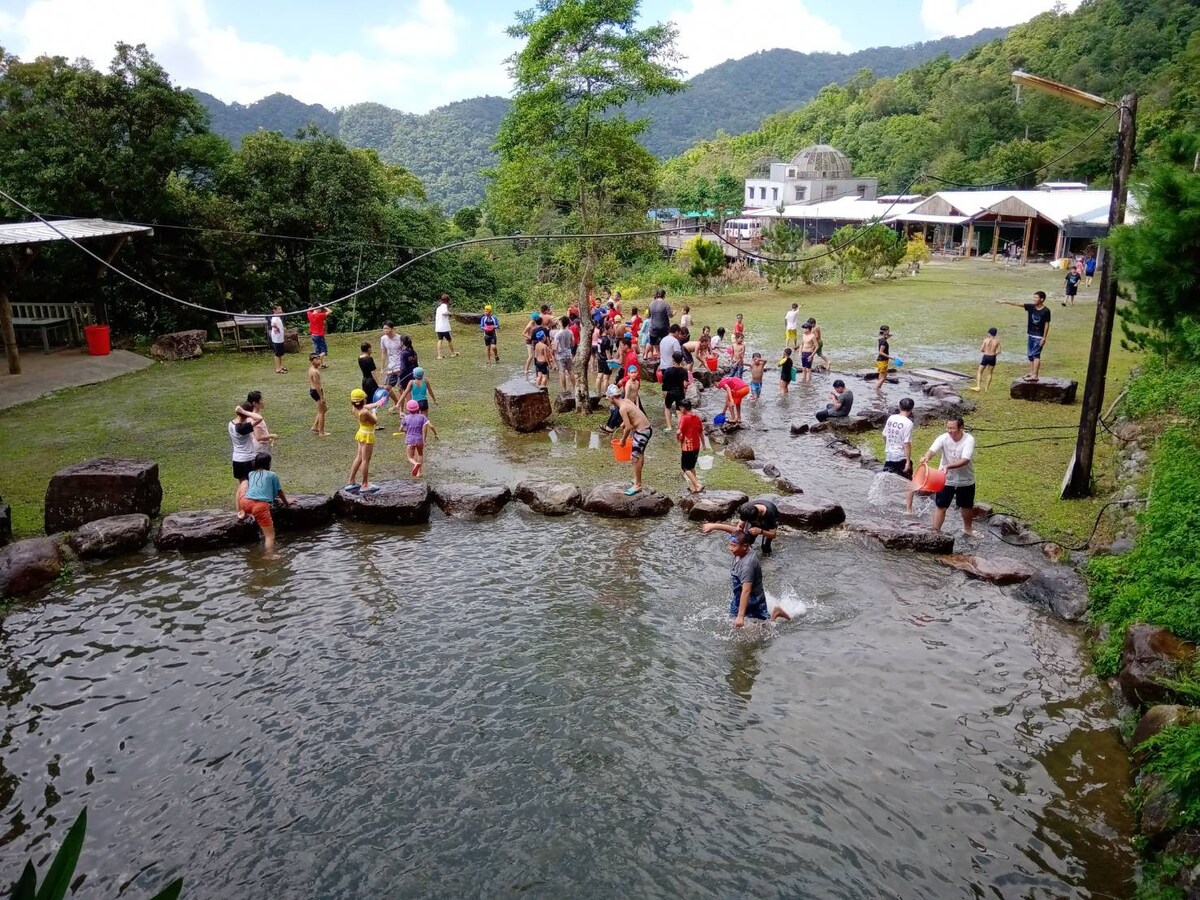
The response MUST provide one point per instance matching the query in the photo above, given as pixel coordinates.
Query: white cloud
(712, 31)
(392, 65)
(945, 17)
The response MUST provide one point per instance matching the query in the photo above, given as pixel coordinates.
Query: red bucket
(622, 453)
(711, 362)
(929, 480)
(97, 337)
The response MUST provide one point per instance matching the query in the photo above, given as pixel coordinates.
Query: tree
(783, 245)
(916, 250)
(709, 261)
(467, 220)
(1160, 256)
(567, 155)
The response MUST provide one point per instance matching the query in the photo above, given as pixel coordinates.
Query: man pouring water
(958, 451)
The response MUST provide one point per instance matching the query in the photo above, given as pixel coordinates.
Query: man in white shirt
(957, 449)
(277, 337)
(791, 321)
(897, 440)
(392, 349)
(441, 325)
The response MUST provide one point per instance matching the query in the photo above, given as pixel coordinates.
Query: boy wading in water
(748, 599)
(808, 351)
(317, 392)
(636, 427)
(989, 350)
(690, 430)
(758, 366)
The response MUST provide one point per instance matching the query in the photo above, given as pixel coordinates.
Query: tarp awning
(928, 219)
(16, 233)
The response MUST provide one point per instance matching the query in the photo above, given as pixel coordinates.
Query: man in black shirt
(1037, 316)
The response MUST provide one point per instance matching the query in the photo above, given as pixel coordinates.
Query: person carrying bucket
(635, 428)
(736, 390)
(957, 468)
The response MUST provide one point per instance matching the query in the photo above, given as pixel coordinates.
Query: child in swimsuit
(758, 366)
(364, 443)
(317, 392)
(418, 389)
(989, 350)
(416, 427)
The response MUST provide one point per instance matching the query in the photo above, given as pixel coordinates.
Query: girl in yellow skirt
(365, 443)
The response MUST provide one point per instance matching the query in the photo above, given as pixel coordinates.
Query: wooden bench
(44, 325)
(44, 316)
(235, 326)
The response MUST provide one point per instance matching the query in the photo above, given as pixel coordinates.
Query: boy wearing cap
(541, 357)
(989, 350)
(490, 326)
(883, 356)
(635, 426)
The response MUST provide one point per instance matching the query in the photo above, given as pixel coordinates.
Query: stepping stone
(712, 506)
(550, 498)
(907, 537)
(304, 511)
(205, 529)
(997, 570)
(110, 537)
(743, 452)
(855, 424)
(1044, 390)
(1059, 590)
(610, 500)
(471, 499)
(395, 503)
(99, 488)
(808, 514)
(29, 565)
(523, 406)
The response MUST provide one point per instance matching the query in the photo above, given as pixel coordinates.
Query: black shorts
(963, 496)
(316, 395)
(370, 386)
(277, 349)
(443, 335)
(656, 337)
(489, 339)
(1072, 290)
(672, 400)
(392, 379)
(541, 368)
(896, 466)
(423, 405)
(242, 470)
(687, 460)
(987, 360)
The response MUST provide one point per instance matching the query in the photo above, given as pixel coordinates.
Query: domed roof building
(816, 173)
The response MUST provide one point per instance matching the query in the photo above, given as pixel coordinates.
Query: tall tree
(568, 158)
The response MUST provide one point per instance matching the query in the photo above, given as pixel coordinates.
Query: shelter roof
(18, 233)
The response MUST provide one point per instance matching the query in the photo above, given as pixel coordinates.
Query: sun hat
(418, 372)
(632, 370)
(883, 328)
(613, 391)
(412, 406)
(487, 309)
(539, 334)
(358, 394)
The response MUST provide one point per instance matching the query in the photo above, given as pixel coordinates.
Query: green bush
(1159, 580)
(1164, 388)
(1174, 754)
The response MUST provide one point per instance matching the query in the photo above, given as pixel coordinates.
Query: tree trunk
(583, 355)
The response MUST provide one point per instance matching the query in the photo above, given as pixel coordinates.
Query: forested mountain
(961, 121)
(447, 147)
(736, 95)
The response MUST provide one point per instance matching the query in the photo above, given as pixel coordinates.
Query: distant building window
(774, 193)
(862, 190)
(800, 192)
(791, 173)
(830, 190)
(762, 193)
(749, 193)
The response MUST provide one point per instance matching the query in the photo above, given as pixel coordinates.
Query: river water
(558, 708)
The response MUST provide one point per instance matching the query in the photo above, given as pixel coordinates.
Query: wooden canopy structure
(24, 240)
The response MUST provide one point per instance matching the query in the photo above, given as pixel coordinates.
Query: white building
(816, 173)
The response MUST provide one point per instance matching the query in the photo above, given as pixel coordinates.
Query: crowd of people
(625, 346)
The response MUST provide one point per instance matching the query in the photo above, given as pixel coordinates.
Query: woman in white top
(241, 436)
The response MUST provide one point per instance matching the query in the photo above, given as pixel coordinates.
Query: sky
(415, 55)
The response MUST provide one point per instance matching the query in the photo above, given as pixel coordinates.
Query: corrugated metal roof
(16, 233)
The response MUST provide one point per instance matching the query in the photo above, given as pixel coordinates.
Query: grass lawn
(175, 413)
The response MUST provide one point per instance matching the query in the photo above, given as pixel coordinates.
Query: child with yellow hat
(490, 326)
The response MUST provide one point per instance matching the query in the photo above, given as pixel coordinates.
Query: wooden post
(995, 237)
(970, 239)
(1078, 480)
(1025, 245)
(21, 266)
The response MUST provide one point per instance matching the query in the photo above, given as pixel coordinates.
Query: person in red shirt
(689, 445)
(735, 392)
(629, 355)
(316, 330)
(574, 329)
(739, 327)
(634, 325)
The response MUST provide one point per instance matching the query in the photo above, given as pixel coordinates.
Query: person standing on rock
(897, 441)
(660, 314)
(241, 436)
(364, 444)
(441, 325)
(958, 451)
(1038, 330)
(736, 390)
(635, 426)
(749, 599)
(759, 517)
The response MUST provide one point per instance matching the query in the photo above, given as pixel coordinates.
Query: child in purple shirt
(415, 426)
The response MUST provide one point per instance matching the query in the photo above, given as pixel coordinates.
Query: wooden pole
(21, 266)
(970, 238)
(1025, 245)
(995, 237)
(1078, 480)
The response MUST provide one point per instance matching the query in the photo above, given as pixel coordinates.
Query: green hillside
(961, 120)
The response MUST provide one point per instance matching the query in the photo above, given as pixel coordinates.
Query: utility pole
(1078, 480)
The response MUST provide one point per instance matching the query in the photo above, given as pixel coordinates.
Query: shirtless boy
(989, 350)
(636, 427)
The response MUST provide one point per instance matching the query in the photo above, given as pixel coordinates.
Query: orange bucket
(622, 454)
(711, 362)
(929, 480)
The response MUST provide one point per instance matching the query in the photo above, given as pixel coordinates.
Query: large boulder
(806, 514)
(111, 537)
(798, 428)
(467, 318)
(99, 488)
(610, 500)
(785, 485)
(712, 506)
(914, 537)
(304, 511)
(29, 565)
(1044, 390)
(5, 524)
(1159, 812)
(1058, 589)
(1159, 718)
(523, 406)
(471, 499)
(1150, 656)
(875, 418)
(997, 569)
(854, 424)
(740, 451)
(179, 345)
(550, 498)
(205, 529)
(395, 503)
